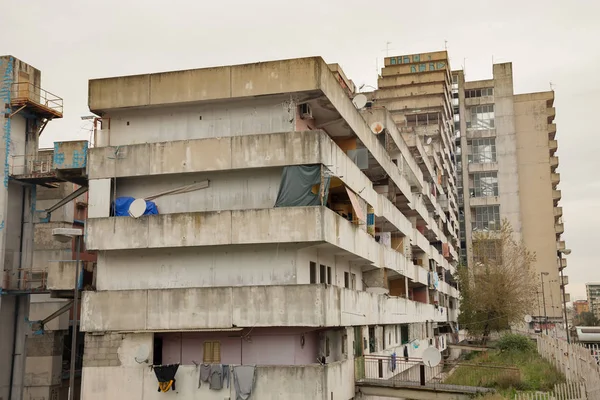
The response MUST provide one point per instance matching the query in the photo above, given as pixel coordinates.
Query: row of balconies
(248, 306)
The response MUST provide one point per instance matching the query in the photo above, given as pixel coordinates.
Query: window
(487, 251)
(406, 60)
(483, 151)
(347, 280)
(432, 66)
(486, 218)
(422, 67)
(329, 275)
(212, 353)
(323, 274)
(404, 333)
(416, 58)
(345, 344)
(327, 347)
(482, 117)
(479, 92)
(313, 272)
(353, 281)
(485, 184)
(396, 329)
(393, 60)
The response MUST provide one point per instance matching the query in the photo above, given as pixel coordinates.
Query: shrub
(515, 342)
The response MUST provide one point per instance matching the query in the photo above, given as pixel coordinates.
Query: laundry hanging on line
(165, 374)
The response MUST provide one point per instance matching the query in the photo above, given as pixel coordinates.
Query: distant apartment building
(507, 168)
(593, 297)
(251, 215)
(581, 306)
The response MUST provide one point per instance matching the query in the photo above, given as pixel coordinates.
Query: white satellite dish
(142, 354)
(528, 318)
(137, 208)
(428, 141)
(377, 127)
(432, 357)
(360, 100)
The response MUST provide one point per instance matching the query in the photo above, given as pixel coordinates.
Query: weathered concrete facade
(220, 263)
(508, 167)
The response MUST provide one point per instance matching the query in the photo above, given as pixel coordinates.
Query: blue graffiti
(1, 225)
(5, 96)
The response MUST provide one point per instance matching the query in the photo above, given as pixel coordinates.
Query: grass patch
(533, 372)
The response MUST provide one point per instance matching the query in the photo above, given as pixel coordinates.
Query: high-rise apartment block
(593, 297)
(507, 165)
(252, 215)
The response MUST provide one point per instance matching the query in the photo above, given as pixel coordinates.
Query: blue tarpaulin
(120, 207)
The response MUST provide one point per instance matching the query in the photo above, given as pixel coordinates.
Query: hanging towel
(216, 377)
(406, 353)
(244, 381)
(393, 362)
(226, 374)
(204, 374)
(165, 374)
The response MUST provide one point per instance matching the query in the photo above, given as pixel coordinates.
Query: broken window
(482, 117)
(486, 218)
(483, 151)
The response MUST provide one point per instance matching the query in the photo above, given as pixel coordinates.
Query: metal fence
(38, 164)
(402, 371)
(563, 391)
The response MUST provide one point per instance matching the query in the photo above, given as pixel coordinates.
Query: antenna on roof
(387, 49)
(552, 86)
(445, 45)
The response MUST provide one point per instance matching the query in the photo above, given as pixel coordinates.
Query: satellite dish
(428, 141)
(142, 354)
(360, 100)
(137, 208)
(432, 357)
(376, 127)
(528, 318)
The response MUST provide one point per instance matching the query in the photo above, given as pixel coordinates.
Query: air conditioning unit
(305, 111)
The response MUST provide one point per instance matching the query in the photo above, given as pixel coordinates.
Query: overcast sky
(71, 41)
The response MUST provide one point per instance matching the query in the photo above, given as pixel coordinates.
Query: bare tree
(498, 288)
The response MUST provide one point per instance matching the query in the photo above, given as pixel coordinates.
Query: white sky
(71, 41)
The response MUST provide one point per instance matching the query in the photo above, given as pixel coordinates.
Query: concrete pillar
(12, 345)
(43, 367)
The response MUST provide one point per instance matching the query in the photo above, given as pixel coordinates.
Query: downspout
(17, 299)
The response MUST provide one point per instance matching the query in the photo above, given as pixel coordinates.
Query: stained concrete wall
(254, 306)
(506, 147)
(535, 186)
(270, 115)
(227, 190)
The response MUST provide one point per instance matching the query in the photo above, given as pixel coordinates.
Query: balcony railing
(31, 165)
(24, 279)
(24, 93)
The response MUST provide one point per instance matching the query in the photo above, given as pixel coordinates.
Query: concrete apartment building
(294, 232)
(38, 195)
(593, 297)
(581, 306)
(507, 165)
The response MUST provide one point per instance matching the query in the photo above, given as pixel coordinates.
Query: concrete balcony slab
(247, 306)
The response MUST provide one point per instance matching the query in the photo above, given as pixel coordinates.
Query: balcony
(553, 146)
(556, 196)
(551, 131)
(484, 201)
(247, 306)
(553, 163)
(567, 297)
(555, 179)
(560, 245)
(564, 281)
(559, 228)
(564, 263)
(551, 113)
(482, 167)
(558, 212)
(292, 382)
(25, 95)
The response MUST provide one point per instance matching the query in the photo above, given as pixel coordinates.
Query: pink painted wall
(263, 346)
(303, 124)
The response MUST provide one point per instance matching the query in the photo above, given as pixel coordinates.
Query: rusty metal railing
(27, 91)
(31, 165)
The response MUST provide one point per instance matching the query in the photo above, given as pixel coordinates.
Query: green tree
(499, 286)
(586, 319)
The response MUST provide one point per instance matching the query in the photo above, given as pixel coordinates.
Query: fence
(38, 164)
(563, 391)
(27, 91)
(403, 371)
(578, 363)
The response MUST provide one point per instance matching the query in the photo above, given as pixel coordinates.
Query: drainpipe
(16, 319)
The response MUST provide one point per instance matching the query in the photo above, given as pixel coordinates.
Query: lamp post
(559, 253)
(543, 299)
(64, 235)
